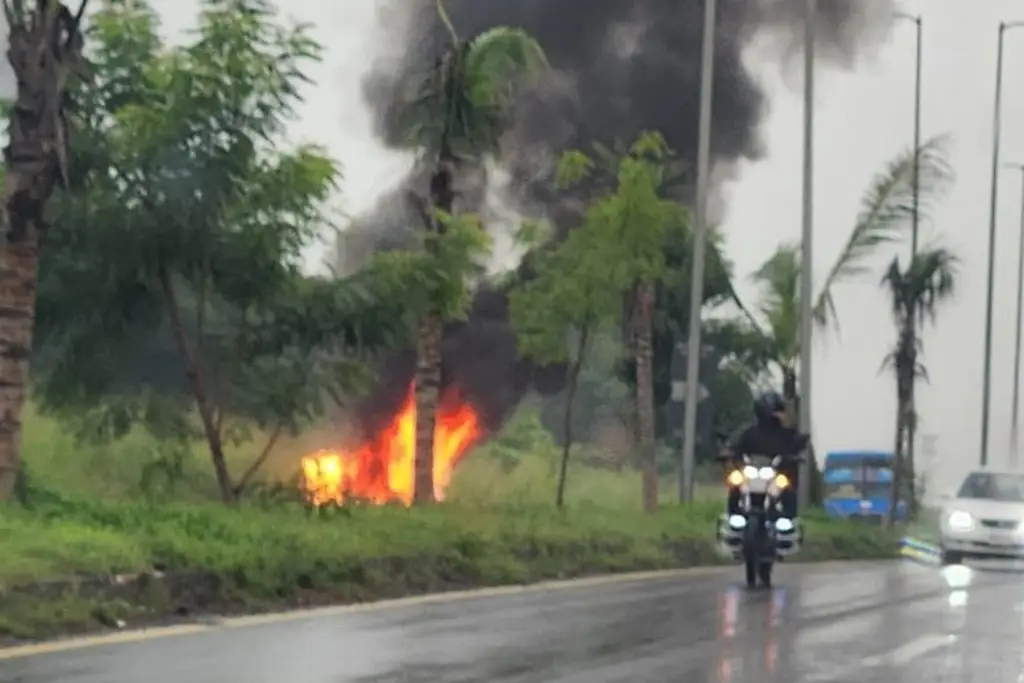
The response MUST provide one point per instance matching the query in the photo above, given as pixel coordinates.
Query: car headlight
(959, 520)
(750, 472)
(766, 473)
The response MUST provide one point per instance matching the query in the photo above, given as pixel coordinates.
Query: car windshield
(857, 490)
(988, 486)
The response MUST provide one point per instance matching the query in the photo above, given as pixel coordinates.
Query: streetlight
(986, 399)
(916, 18)
(915, 216)
(1020, 308)
(806, 258)
(700, 230)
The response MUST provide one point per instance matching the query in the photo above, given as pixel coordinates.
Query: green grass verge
(498, 527)
(251, 559)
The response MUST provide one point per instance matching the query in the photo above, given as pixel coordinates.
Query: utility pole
(915, 223)
(807, 253)
(1015, 409)
(700, 238)
(986, 398)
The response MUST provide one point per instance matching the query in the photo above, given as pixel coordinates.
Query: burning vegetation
(382, 468)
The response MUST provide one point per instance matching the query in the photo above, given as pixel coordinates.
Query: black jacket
(767, 440)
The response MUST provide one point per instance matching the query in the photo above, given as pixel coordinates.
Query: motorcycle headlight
(766, 473)
(735, 478)
(959, 520)
(750, 472)
(782, 481)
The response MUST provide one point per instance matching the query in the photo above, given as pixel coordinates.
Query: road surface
(865, 623)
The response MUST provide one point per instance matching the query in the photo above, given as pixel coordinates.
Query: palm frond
(778, 279)
(497, 62)
(928, 280)
(461, 107)
(887, 210)
(442, 13)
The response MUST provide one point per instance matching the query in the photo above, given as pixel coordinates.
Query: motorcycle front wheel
(764, 572)
(751, 565)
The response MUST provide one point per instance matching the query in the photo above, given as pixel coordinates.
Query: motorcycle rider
(772, 433)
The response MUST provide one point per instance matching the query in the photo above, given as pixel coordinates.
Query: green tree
(45, 53)
(886, 212)
(887, 208)
(915, 293)
(633, 223)
(558, 314)
(458, 116)
(182, 236)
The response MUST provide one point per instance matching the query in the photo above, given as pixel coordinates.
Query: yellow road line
(126, 637)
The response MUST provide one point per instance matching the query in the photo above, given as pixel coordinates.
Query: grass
(87, 519)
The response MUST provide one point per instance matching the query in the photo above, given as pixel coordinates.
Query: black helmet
(767, 404)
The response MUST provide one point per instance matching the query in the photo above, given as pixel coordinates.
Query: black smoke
(620, 67)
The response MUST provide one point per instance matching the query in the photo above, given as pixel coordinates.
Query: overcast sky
(862, 119)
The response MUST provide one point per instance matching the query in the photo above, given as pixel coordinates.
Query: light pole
(916, 213)
(700, 237)
(915, 224)
(986, 398)
(806, 253)
(1015, 411)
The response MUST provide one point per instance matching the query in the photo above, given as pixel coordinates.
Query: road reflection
(754, 642)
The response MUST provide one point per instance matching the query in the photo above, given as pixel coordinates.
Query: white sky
(862, 120)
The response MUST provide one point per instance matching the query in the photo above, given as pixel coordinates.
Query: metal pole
(807, 253)
(993, 199)
(914, 236)
(915, 229)
(700, 229)
(1015, 411)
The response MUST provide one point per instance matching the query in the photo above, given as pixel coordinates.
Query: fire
(383, 469)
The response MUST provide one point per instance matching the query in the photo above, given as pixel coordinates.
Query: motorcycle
(756, 532)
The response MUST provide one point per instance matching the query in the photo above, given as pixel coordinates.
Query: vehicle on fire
(753, 529)
(984, 518)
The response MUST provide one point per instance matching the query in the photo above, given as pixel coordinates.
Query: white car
(985, 519)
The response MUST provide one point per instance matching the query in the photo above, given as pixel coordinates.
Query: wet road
(828, 624)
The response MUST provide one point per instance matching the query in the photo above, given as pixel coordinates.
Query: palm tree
(460, 113)
(887, 209)
(915, 295)
(45, 50)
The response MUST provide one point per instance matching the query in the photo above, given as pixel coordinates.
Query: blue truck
(858, 485)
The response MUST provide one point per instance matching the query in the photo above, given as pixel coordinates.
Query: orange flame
(383, 469)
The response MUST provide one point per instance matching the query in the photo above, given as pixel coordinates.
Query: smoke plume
(620, 67)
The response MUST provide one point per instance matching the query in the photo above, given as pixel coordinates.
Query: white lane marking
(900, 656)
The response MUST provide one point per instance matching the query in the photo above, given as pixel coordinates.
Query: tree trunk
(902, 412)
(570, 397)
(44, 49)
(429, 338)
(430, 334)
(645, 393)
(427, 388)
(17, 317)
(197, 383)
(910, 469)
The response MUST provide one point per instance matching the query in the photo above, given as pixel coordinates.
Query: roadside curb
(920, 551)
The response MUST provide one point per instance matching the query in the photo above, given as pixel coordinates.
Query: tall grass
(137, 505)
